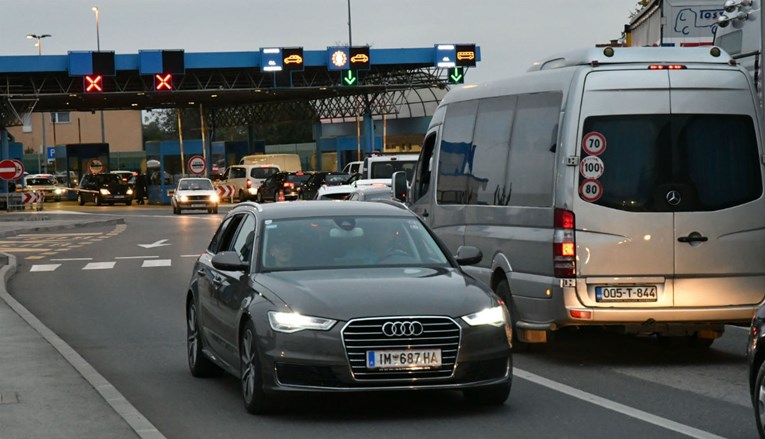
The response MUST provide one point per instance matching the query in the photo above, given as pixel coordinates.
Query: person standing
(140, 187)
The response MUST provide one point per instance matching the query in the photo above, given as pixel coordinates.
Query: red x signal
(163, 82)
(93, 83)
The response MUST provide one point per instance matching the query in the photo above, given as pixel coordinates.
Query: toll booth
(225, 154)
(77, 159)
(347, 149)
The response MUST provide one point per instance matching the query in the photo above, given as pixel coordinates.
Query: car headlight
(490, 316)
(130, 191)
(57, 191)
(184, 198)
(104, 191)
(214, 198)
(290, 322)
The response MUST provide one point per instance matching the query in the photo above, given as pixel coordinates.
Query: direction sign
(197, 165)
(8, 170)
(96, 166)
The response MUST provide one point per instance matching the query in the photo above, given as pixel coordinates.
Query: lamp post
(44, 128)
(98, 47)
(350, 39)
(38, 38)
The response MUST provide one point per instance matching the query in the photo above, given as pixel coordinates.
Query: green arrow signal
(350, 78)
(457, 77)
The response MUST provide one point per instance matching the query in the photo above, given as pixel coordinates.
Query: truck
(739, 33)
(674, 23)
(285, 162)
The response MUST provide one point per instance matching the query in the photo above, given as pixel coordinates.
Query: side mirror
(468, 255)
(228, 261)
(399, 186)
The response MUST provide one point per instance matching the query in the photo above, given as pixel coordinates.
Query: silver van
(617, 187)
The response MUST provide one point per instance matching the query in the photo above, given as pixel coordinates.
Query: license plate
(406, 359)
(199, 205)
(626, 294)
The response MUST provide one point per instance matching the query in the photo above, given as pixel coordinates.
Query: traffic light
(465, 55)
(163, 82)
(350, 78)
(93, 83)
(456, 75)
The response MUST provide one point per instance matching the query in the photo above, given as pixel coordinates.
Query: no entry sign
(11, 169)
(96, 166)
(197, 165)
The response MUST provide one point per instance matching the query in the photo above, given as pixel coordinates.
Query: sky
(510, 33)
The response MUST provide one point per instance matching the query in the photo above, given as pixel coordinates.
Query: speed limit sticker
(594, 143)
(590, 190)
(591, 167)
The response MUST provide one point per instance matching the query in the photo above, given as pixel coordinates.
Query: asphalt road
(116, 295)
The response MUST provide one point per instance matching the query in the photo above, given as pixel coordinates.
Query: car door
(209, 281)
(235, 287)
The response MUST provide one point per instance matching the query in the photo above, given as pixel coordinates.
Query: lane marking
(72, 259)
(615, 406)
(158, 263)
(61, 234)
(135, 257)
(99, 265)
(45, 267)
(190, 256)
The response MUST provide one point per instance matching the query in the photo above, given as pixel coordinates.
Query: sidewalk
(47, 390)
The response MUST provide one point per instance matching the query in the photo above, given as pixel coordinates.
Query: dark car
(103, 188)
(756, 356)
(274, 301)
(319, 179)
(282, 186)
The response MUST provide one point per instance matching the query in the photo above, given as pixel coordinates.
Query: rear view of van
(614, 187)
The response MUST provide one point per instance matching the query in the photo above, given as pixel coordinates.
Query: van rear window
(669, 162)
(263, 172)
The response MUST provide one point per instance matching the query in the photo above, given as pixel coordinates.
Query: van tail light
(564, 244)
(249, 183)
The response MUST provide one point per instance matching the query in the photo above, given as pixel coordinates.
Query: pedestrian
(140, 187)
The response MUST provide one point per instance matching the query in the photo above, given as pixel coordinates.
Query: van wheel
(80, 201)
(97, 200)
(242, 198)
(260, 198)
(503, 291)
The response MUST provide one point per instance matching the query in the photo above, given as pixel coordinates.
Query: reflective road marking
(157, 263)
(100, 265)
(45, 267)
(615, 406)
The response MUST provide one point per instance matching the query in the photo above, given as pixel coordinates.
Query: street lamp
(98, 47)
(39, 43)
(350, 40)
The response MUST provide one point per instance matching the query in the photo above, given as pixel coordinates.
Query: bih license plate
(406, 359)
(626, 294)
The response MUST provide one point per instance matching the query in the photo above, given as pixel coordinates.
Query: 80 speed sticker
(590, 190)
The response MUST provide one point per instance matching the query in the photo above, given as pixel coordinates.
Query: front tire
(97, 200)
(251, 377)
(199, 365)
(80, 200)
(242, 198)
(503, 291)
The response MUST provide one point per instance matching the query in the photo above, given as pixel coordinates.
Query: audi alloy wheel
(255, 400)
(199, 365)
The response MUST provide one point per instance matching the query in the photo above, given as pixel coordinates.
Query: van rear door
(719, 228)
(623, 239)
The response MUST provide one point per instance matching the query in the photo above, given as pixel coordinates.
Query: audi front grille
(362, 335)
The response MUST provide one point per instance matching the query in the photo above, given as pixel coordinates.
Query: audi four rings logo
(673, 198)
(411, 328)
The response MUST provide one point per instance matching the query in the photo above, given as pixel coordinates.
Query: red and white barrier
(226, 191)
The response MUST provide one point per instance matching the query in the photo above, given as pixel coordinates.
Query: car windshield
(40, 182)
(336, 179)
(195, 185)
(298, 178)
(108, 178)
(348, 242)
(263, 172)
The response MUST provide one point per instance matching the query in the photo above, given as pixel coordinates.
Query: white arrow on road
(159, 243)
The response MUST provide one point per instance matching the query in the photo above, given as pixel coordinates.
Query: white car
(342, 191)
(195, 193)
(45, 183)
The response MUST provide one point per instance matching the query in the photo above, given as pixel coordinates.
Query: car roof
(314, 208)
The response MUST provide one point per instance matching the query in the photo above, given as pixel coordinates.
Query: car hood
(346, 294)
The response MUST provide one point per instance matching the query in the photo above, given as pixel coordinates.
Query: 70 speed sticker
(590, 190)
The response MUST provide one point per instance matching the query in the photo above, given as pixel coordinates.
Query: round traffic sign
(594, 143)
(96, 166)
(591, 190)
(19, 168)
(591, 167)
(197, 165)
(9, 170)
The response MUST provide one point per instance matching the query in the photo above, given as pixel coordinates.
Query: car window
(263, 172)
(222, 238)
(710, 160)
(245, 239)
(346, 241)
(237, 173)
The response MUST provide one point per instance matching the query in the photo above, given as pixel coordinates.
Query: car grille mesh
(360, 336)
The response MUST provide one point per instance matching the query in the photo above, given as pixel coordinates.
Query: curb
(142, 427)
(62, 226)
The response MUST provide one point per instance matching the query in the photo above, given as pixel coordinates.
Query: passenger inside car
(280, 253)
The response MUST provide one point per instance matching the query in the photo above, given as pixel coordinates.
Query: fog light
(579, 314)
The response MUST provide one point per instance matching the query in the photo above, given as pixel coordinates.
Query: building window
(60, 117)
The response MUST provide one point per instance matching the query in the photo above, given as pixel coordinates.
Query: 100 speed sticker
(590, 190)
(591, 167)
